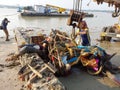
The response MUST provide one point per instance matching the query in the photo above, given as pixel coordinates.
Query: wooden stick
(34, 71)
(114, 78)
(63, 36)
(36, 74)
(46, 65)
(27, 72)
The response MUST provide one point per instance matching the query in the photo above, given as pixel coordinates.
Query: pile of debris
(63, 54)
(37, 74)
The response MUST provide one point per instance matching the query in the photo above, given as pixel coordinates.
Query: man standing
(4, 24)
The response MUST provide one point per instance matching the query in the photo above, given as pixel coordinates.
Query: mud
(76, 80)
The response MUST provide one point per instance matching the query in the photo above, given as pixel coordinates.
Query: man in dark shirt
(4, 27)
(45, 45)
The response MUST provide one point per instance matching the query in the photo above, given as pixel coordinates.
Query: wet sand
(8, 76)
(77, 80)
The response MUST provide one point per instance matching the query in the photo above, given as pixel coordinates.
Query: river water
(95, 25)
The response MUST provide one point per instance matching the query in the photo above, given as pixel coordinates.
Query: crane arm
(60, 9)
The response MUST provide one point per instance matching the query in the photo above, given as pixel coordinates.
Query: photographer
(4, 24)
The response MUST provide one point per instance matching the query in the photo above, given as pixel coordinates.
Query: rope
(81, 6)
(119, 20)
(79, 22)
(77, 7)
(89, 3)
(73, 4)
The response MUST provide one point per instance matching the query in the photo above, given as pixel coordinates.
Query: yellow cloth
(103, 34)
(77, 31)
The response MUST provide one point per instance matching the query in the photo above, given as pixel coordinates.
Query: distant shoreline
(8, 6)
(16, 7)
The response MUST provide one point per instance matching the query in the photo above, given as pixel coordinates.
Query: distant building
(39, 8)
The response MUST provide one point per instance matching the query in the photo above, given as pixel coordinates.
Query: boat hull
(51, 14)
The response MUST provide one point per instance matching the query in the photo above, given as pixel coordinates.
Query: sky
(61, 3)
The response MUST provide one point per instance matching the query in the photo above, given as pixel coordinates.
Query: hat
(6, 19)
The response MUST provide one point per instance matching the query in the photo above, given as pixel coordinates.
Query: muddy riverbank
(77, 80)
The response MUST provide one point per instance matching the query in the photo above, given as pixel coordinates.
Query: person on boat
(41, 49)
(4, 24)
(84, 32)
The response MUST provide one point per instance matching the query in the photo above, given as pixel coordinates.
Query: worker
(41, 50)
(84, 33)
(45, 45)
(4, 24)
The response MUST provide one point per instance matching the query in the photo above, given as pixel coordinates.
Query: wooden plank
(36, 74)
(114, 77)
(35, 71)
(49, 66)
(19, 38)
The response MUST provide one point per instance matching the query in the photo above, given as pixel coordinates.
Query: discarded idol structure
(63, 54)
